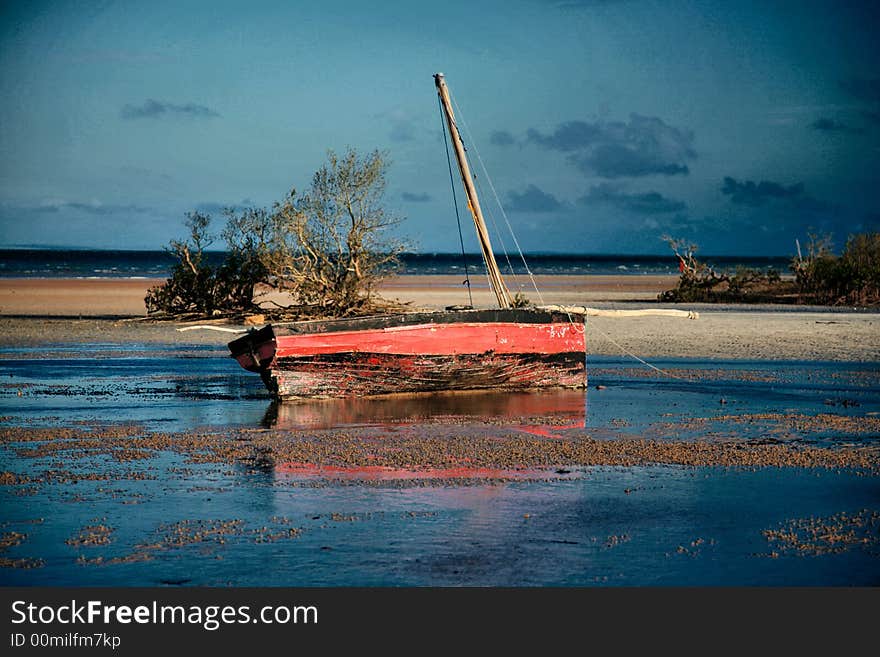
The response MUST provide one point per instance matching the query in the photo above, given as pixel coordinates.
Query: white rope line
(632, 355)
(500, 206)
(204, 327)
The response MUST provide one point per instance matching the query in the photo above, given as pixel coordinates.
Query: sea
(88, 263)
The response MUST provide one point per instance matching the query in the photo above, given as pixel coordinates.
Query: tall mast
(498, 286)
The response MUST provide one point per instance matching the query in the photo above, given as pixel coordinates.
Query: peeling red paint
(439, 340)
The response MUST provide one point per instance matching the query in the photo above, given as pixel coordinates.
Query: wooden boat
(417, 352)
(424, 352)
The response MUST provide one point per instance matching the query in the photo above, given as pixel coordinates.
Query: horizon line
(477, 254)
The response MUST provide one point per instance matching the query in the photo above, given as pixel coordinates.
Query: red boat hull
(419, 354)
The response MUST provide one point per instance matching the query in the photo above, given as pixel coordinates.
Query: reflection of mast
(498, 286)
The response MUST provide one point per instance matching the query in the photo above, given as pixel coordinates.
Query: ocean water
(599, 526)
(60, 263)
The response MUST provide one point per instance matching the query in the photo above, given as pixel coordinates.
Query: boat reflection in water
(553, 409)
(543, 415)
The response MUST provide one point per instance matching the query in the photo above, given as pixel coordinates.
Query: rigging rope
(488, 209)
(454, 123)
(489, 281)
(467, 278)
(498, 234)
(623, 349)
(500, 206)
(626, 351)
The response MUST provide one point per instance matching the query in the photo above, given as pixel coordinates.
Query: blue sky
(603, 124)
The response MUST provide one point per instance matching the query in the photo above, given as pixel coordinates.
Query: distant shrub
(700, 283)
(520, 301)
(853, 278)
(820, 276)
(196, 287)
(861, 259)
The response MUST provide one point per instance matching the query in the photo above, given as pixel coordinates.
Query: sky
(598, 126)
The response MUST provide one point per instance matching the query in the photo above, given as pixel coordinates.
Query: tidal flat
(141, 464)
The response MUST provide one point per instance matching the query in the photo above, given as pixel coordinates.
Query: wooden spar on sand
(646, 312)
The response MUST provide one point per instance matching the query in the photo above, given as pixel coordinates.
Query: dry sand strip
(85, 297)
(439, 291)
(73, 297)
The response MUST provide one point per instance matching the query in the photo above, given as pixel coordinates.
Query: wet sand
(567, 506)
(433, 450)
(49, 311)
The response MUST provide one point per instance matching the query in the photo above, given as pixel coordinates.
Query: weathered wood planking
(328, 376)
